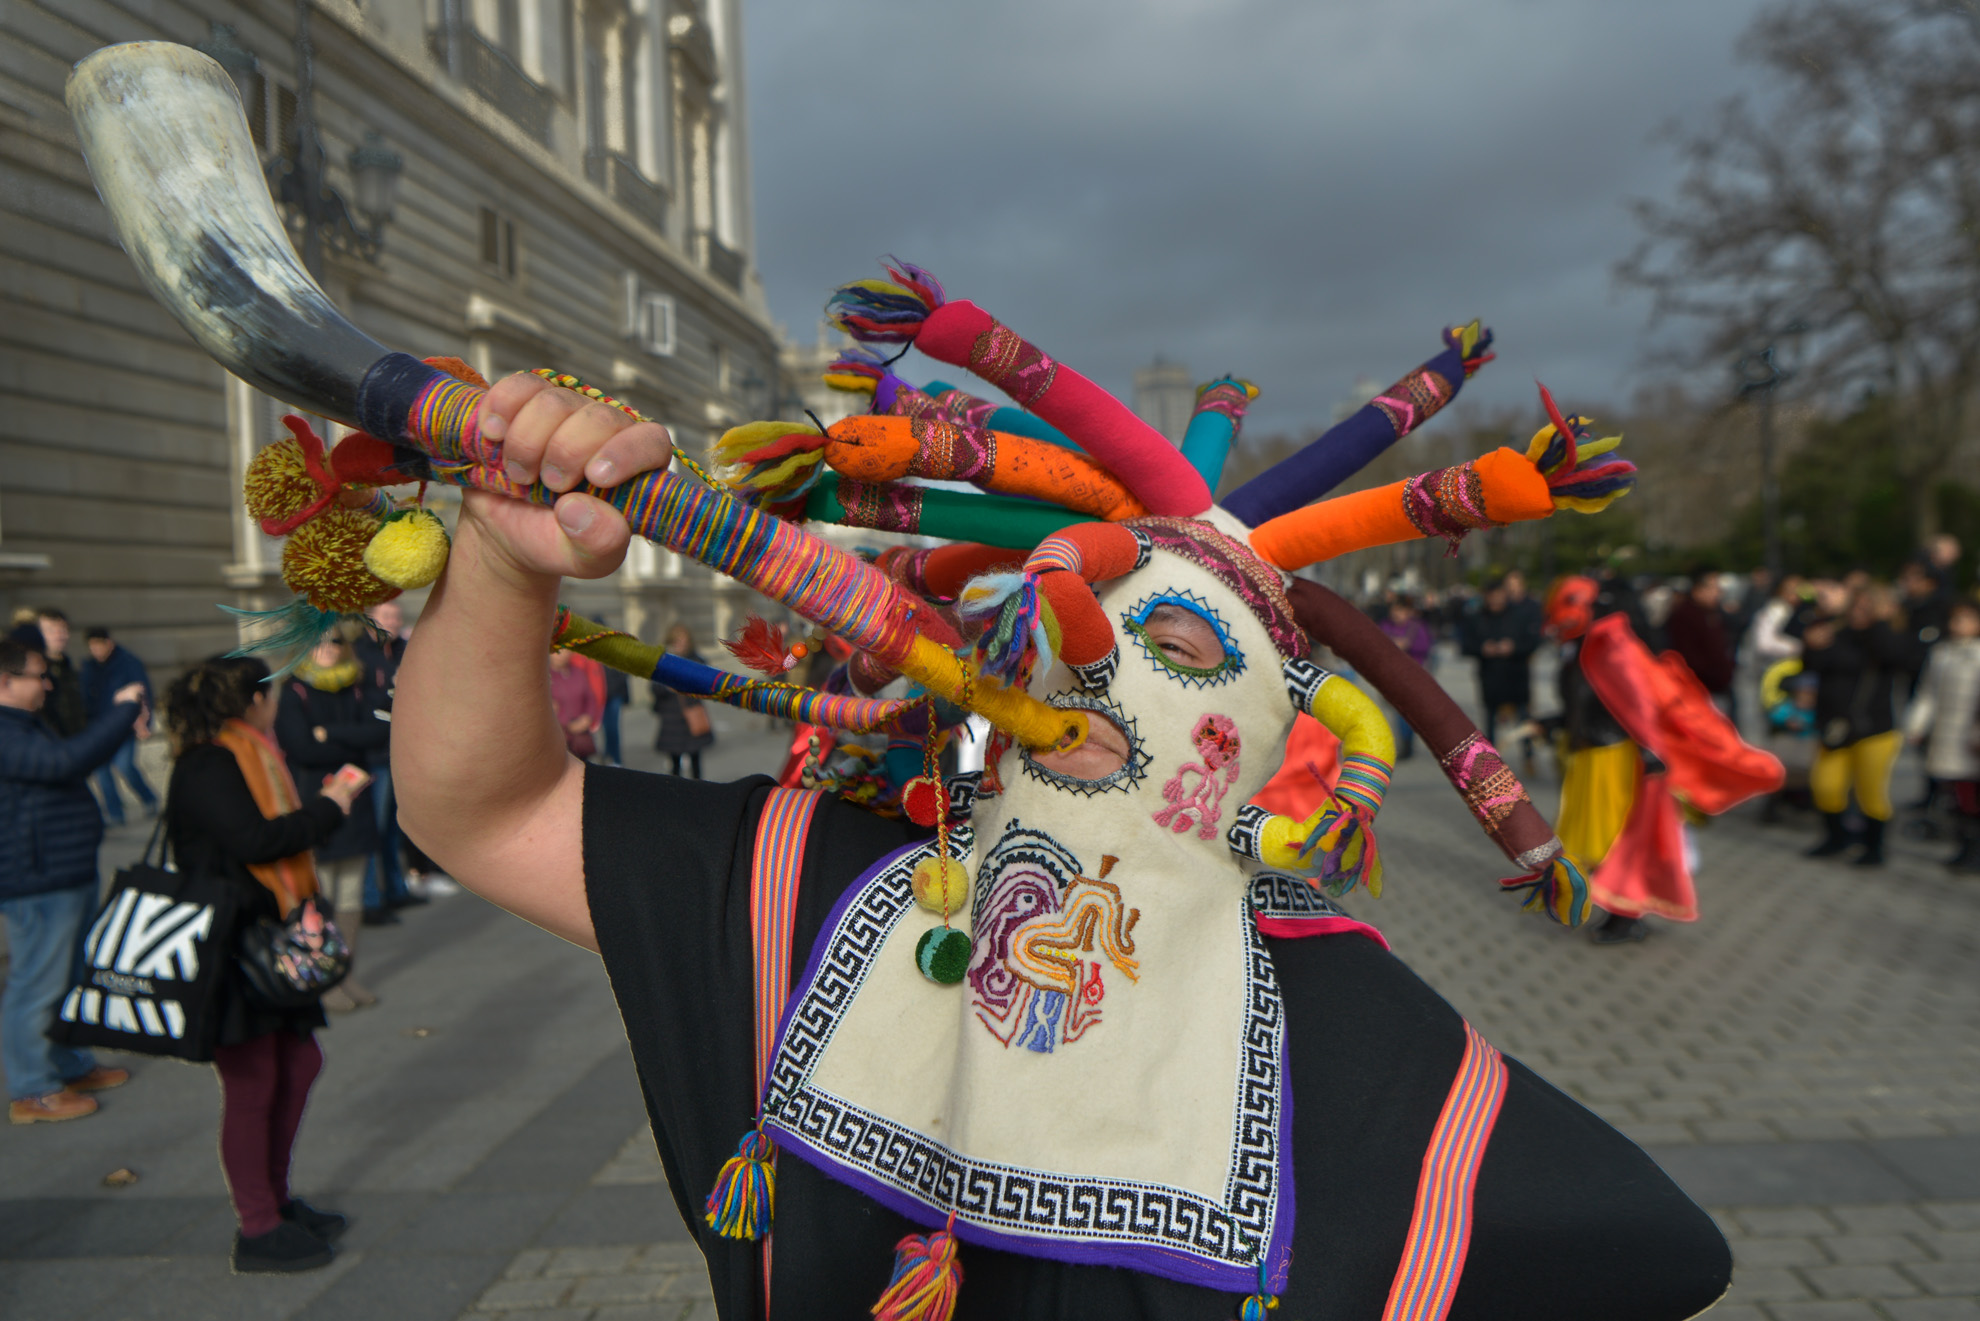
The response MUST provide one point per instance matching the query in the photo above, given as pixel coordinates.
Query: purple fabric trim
(1164, 1262)
(888, 386)
(1340, 452)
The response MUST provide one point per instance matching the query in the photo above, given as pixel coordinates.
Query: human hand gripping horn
(167, 144)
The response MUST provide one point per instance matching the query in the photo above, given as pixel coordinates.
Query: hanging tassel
(1473, 343)
(1558, 888)
(745, 1194)
(927, 1278)
(1257, 1305)
(886, 311)
(1561, 451)
(856, 371)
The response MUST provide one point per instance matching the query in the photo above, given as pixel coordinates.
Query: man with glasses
(50, 828)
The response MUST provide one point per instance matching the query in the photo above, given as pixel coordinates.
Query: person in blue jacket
(49, 832)
(111, 667)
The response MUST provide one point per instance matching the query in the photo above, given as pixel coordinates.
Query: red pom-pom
(924, 800)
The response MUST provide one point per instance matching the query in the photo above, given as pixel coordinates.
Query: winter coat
(1584, 719)
(1943, 712)
(1698, 634)
(215, 827)
(1857, 674)
(101, 679)
(64, 711)
(354, 734)
(1502, 680)
(50, 825)
(671, 706)
(1412, 635)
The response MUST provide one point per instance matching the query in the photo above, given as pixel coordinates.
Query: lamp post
(1760, 374)
(296, 175)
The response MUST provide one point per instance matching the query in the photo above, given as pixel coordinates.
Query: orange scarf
(291, 879)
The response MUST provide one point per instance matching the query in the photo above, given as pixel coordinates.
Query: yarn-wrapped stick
(775, 462)
(1348, 446)
(808, 706)
(912, 308)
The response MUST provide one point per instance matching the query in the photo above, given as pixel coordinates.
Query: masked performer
(1099, 1046)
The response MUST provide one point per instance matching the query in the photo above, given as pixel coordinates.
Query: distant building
(574, 194)
(804, 366)
(1164, 397)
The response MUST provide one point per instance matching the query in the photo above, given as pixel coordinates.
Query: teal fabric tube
(1213, 428)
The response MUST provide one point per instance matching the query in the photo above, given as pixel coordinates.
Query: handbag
(289, 964)
(696, 715)
(153, 962)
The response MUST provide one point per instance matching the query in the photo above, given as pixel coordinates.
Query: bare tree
(1843, 207)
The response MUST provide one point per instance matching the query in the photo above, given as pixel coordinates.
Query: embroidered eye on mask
(1138, 624)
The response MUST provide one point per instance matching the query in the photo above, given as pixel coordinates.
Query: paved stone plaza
(1805, 1060)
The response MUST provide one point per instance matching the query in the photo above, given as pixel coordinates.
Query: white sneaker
(437, 886)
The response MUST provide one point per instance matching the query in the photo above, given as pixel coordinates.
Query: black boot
(287, 1247)
(1967, 860)
(1835, 839)
(326, 1225)
(1873, 844)
(1619, 930)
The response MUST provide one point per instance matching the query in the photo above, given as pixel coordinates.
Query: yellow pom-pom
(277, 484)
(941, 885)
(324, 561)
(410, 550)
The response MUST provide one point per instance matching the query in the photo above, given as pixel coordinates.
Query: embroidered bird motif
(1045, 949)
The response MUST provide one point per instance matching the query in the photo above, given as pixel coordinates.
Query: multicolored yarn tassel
(744, 1199)
(1257, 1305)
(1020, 631)
(1561, 450)
(1345, 840)
(887, 311)
(856, 371)
(927, 1278)
(1558, 888)
(287, 634)
(770, 462)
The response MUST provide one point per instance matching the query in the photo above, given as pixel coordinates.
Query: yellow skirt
(1597, 790)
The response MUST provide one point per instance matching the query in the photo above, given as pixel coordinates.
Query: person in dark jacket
(379, 649)
(234, 812)
(682, 735)
(109, 668)
(64, 711)
(328, 719)
(49, 832)
(1502, 639)
(1859, 661)
(1696, 631)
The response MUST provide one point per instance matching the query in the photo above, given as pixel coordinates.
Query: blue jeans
(613, 706)
(44, 943)
(385, 862)
(123, 762)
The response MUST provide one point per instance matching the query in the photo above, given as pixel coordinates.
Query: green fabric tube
(993, 520)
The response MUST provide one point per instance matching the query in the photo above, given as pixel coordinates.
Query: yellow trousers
(1865, 766)
(1598, 787)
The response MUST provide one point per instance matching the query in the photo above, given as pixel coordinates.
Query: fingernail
(493, 426)
(602, 472)
(514, 472)
(575, 515)
(552, 475)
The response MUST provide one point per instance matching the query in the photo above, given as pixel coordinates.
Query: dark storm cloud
(1298, 191)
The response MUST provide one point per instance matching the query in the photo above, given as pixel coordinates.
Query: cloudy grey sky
(1298, 191)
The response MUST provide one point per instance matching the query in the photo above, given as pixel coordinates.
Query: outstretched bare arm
(484, 783)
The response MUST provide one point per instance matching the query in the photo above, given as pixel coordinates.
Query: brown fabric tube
(1473, 766)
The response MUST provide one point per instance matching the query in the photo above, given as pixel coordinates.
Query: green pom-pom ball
(942, 955)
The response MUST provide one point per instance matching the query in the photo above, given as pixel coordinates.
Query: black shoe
(287, 1247)
(1873, 845)
(407, 900)
(1620, 930)
(1834, 841)
(326, 1225)
(380, 917)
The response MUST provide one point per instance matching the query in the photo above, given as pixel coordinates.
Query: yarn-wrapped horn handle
(162, 130)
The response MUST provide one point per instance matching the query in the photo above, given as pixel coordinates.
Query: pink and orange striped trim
(1440, 1228)
(774, 869)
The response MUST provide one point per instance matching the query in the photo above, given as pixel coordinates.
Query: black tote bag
(153, 963)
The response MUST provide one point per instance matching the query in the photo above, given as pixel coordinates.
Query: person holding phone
(234, 811)
(328, 719)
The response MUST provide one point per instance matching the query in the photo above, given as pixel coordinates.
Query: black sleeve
(666, 864)
(212, 799)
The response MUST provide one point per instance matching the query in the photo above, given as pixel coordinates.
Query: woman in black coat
(328, 719)
(684, 726)
(1857, 662)
(267, 1059)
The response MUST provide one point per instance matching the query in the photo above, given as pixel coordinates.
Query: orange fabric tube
(874, 448)
(1491, 490)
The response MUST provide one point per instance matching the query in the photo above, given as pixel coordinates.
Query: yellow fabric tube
(1028, 720)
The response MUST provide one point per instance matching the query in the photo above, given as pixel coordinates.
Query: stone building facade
(574, 193)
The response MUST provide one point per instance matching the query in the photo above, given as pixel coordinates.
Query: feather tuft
(286, 635)
(760, 646)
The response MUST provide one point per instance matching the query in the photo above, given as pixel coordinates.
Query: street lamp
(1759, 374)
(296, 177)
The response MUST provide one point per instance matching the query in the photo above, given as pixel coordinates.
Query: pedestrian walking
(579, 702)
(1696, 630)
(379, 649)
(110, 668)
(618, 691)
(328, 719)
(685, 729)
(64, 711)
(1402, 625)
(1942, 717)
(234, 810)
(50, 829)
(1857, 660)
(1502, 638)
